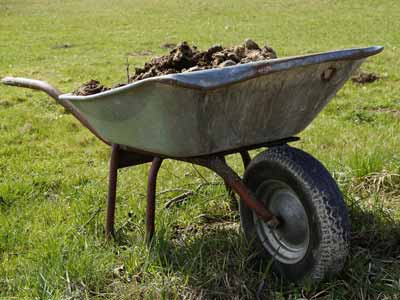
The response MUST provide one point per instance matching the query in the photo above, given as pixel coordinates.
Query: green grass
(53, 172)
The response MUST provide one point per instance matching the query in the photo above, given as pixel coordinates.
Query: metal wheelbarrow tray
(291, 208)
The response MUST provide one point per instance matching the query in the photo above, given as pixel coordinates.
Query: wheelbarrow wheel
(312, 241)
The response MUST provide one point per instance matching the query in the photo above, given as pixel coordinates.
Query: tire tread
(333, 248)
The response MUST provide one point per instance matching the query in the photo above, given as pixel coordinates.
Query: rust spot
(264, 69)
(328, 74)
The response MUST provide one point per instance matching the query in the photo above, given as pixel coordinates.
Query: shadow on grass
(374, 261)
(218, 264)
(212, 261)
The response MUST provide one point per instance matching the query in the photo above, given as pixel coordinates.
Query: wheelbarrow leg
(246, 160)
(112, 190)
(151, 198)
(233, 205)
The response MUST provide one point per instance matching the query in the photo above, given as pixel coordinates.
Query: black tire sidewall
(300, 180)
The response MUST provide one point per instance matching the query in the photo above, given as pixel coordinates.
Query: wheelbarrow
(291, 209)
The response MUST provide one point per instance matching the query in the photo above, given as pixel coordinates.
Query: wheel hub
(288, 243)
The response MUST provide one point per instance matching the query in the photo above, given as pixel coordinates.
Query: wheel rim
(288, 243)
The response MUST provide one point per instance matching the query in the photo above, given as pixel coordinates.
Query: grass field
(53, 172)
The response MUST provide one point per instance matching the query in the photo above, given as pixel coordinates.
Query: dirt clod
(227, 63)
(89, 88)
(185, 58)
(62, 46)
(251, 45)
(363, 78)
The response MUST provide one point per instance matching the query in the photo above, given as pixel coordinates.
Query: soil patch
(168, 46)
(391, 111)
(63, 46)
(185, 58)
(363, 78)
(140, 53)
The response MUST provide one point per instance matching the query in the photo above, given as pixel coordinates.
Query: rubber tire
(323, 202)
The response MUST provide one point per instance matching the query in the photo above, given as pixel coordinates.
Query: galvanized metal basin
(205, 112)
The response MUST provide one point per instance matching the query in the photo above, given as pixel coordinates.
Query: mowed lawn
(53, 172)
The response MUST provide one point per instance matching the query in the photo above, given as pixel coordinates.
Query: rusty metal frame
(151, 198)
(122, 158)
(112, 190)
(246, 158)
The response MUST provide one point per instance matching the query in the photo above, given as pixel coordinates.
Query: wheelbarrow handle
(33, 84)
(54, 93)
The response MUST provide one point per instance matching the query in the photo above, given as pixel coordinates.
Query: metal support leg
(112, 189)
(234, 201)
(151, 198)
(246, 159)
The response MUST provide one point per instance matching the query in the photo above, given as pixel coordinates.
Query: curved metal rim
(216, 78)
(289, 242)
